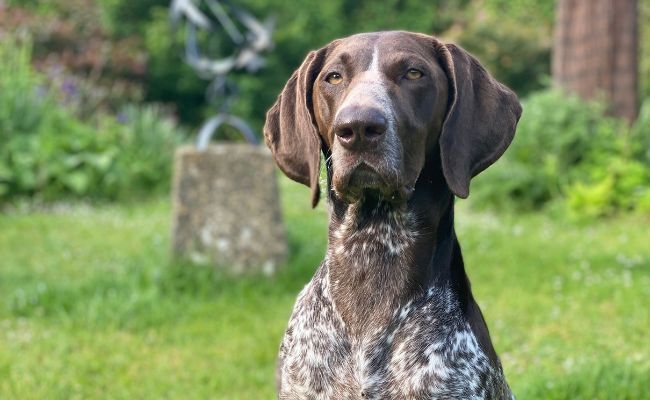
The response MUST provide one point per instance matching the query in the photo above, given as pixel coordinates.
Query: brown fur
(397, 149)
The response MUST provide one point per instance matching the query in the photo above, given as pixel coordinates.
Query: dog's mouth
(364, 183)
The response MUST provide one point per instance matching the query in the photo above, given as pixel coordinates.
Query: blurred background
(95, 97)
(111, 74)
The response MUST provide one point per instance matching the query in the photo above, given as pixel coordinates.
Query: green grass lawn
(92, 308)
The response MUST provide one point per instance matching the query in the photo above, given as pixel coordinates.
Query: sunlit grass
(564, 302)
(91, 308)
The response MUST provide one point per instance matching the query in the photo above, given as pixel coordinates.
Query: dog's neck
(380, 255)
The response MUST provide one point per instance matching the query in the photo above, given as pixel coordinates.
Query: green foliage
(641, 133)
(126, 18)
(618, 184)
(147, 143)
(169, 80)
(644, 48)
(24, 105)
(526, 11)
(513, 42)
(21, 102)
(48, 153)
(567, 149)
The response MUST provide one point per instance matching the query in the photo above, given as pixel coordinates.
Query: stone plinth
(226, 209)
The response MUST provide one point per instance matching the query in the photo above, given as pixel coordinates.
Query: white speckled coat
(426, 350)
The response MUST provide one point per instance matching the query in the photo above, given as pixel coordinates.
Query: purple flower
(69, 88)
(122, 118)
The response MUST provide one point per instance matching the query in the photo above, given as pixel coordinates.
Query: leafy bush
(566, 149)
(23, 107)
(47, 153)
(169, 80)
(512, 39)
(21, 102)
(147, 141)
(644, 48)
(641, 133)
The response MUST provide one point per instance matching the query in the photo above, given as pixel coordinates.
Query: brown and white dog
(404, 122)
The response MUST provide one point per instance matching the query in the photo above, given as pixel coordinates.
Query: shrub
(23, 106)
(48, 153)
(22, 103)
(641, 134)
(147, 142)
(512, 39)
(567, 150)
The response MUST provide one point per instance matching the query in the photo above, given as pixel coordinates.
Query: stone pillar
(226, 208)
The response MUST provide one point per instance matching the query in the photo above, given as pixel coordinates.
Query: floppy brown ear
(290, 130)
(480, 122)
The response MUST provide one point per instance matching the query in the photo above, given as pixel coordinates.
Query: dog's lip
(364, 181)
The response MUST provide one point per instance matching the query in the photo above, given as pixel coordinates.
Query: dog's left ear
(290, 131)
(481, 119)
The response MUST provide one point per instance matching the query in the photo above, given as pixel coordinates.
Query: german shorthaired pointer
(404, 122)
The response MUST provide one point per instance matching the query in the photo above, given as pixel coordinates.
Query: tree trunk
(595, 52)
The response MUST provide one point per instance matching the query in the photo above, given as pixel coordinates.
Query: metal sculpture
(248, 38)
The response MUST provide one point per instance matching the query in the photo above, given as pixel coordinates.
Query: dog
(403, 122)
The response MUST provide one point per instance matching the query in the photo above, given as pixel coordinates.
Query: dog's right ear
(481, 119)
(290, 130)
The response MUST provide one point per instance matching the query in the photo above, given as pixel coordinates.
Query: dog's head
(377, 104)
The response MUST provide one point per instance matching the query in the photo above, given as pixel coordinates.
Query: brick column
(595, 52)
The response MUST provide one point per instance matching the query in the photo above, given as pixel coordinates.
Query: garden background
(94, 98)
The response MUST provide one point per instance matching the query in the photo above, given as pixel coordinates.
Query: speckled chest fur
(423, 349)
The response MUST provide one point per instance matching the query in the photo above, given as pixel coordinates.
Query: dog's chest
(425, 352)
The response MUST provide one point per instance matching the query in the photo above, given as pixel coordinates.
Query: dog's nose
(357, 127)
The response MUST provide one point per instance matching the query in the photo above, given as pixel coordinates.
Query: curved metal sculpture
(249, 37)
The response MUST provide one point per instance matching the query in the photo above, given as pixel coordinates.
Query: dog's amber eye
(413, 74)
(334, 78)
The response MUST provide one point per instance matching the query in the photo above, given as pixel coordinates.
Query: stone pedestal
(226, 208)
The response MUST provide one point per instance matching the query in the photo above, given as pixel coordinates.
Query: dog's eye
(334, 78)
(413, 74)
